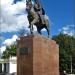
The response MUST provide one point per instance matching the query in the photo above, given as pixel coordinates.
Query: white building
(8, 65)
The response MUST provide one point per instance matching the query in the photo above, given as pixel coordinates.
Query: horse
(34, 19)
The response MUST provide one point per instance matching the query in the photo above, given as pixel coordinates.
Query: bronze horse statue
(34, 19)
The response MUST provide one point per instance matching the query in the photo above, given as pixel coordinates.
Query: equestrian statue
(36, 16)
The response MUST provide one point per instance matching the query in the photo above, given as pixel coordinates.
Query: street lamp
(71, 64)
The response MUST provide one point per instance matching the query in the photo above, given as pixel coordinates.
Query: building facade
(8, 65)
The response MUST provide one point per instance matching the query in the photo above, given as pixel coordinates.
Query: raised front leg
(31, 25)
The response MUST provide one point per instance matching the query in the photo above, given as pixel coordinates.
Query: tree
(66, 51)
(9, 52)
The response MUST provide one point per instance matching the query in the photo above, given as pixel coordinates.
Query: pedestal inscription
(24, 51)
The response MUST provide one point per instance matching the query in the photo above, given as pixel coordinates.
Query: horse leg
(31, 25)
(47, 27)
(31, 29)
(39, 31)
(48, 32)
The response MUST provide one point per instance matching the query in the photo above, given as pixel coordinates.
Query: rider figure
(39, 10)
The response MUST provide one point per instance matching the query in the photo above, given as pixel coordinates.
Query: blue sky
(60, 13)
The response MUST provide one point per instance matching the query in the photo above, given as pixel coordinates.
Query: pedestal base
(37, 55)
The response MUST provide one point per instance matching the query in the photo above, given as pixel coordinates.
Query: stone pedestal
(37, 55)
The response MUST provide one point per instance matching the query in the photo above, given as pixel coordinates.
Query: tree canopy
(66, 52)
(9, 52)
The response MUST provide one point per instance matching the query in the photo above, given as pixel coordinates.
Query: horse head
(28, 5)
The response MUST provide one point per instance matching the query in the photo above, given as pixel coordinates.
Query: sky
(60, 12)
(13, 17)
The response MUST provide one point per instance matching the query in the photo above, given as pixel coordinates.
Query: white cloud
(65, 28)
(2, 49)
(9, 20)
(8, 42)
(1, 38)
(11, 41)
(68, 29)
(6, 2)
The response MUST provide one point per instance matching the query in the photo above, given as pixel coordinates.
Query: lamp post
(71, 64)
